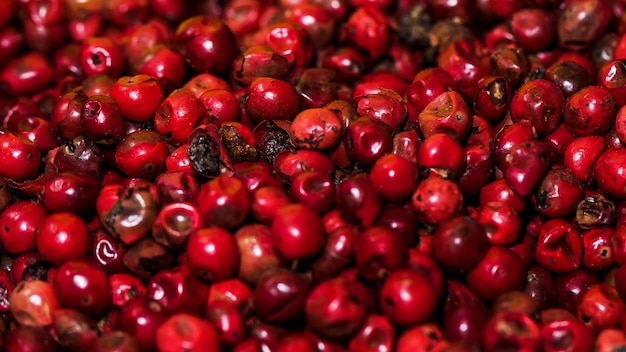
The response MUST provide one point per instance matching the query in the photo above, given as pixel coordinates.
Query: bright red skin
(436, 200)
(242, 16)
(178, 115)
(80, 29)
(26, 74)
(82, 285)
(331, 311)
(376, 334)
(386, 107)
(501, 268)
(212, 254)
(393, 177)
(100, 55)
(101, 120)
(348, 62)
(502, 223)
(601, 307)
(464, 314)
(561, 329)
(427, 85)
(259, 61)
(204, 82)
(141, 317)
(142, 154)
(337, 253)
(610, 173)
(612, 77)
(558, 194)
(367, 28)
(406, 144)
(297, 232)
(533, 28)
(221, 106)
(21, 220)
(181, 331)
(366, 140)
(620, 125)
(478, 171)
(317, 129)
(492, 98)
(233, 291)
(224, 201)
(444, 9)
(581, 155)
(137, 97)
(318, 23)
(207, 43)
(65, 115)
(597, 252)
(69, 192)
(39, 131)
(431, 156)
(447, 113)
(19, 157)
(422, 337)
(266, 201)
(164, 64)
(271, 99)
(227, 321)
(508, 136)
(467, 63)
(590, 112)
(539, 101)
(313, 189)
(559, 246)
(177, 291)
(125, 287)
(406, 291)
(378, 251)
(63, 236)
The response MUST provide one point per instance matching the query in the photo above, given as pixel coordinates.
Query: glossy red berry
(19, 158)
(590, 112)
(82, 285)
(213, 254)
(142, 154)
(405, 291)
(297, 232)
(271, 99)
(100, 55)
(207, 43)
(63, 236)
(20, 222)
(137, 97)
